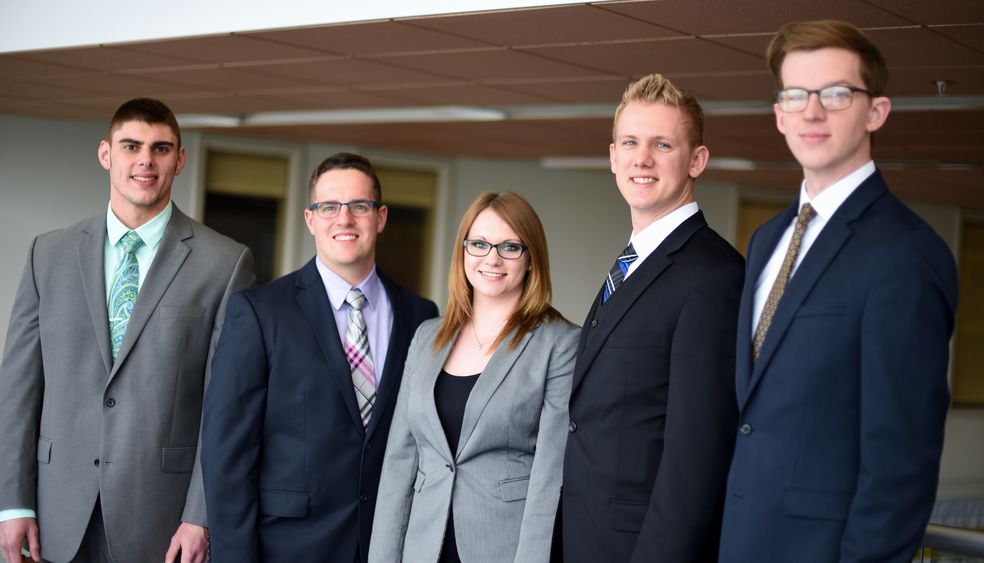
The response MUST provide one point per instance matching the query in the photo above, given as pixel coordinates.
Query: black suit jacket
(290, 474)
(653, 407)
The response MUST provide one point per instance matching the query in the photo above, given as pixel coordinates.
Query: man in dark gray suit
(106, 363)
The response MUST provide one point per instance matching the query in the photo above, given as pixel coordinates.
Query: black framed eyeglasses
(832, 98)
(508, 250)
(357, 207)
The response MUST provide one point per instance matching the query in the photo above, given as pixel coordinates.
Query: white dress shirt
(825, 204)
(377, 312)
(646, 240)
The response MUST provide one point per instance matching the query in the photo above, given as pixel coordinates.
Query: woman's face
(493, 277)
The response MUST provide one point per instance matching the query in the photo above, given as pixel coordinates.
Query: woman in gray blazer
(473, 465)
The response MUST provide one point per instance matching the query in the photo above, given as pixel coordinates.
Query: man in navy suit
(844, 330)
(304, 381)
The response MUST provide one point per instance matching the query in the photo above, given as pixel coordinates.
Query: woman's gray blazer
(505, 478)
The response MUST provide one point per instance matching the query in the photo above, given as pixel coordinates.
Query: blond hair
(657, 89)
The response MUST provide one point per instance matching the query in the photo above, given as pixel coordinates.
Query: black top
(450, 395)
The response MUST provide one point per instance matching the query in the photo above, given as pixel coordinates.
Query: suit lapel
(608, 315)
(313, 300)
(430, 369)
(92, 257)
(835, 233)
(495, 372)
(170, 255)
(396, 354)
(758, 255)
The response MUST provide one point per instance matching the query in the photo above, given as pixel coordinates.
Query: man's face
(142, 160)
(346, 244)
(653, 162)
(829, 144)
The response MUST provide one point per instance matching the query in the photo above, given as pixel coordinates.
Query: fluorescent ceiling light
(192, 120)
(375, 115)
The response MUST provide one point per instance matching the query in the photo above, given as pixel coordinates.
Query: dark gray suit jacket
(76, 426)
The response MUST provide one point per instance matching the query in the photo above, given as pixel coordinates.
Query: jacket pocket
(44, 450)
(816, 504)
(177, 460)
(626, 516)
(284, 504)
(192, 312)
(419, 483)
(514, 489)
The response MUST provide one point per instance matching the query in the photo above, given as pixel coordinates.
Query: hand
(12, 534)
(191, 541)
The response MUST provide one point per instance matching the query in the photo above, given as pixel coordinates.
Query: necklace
(481, 344)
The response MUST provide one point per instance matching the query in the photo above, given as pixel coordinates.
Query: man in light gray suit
(106, 362)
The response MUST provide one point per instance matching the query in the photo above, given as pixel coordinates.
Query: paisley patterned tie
(806, 214)
(123, 294)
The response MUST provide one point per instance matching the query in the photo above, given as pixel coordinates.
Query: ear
(878, 113)
(779, 117)
(698, 161)
(383, 212)
(181, 161)
(309, 220)
(103, 154)
(611, 156)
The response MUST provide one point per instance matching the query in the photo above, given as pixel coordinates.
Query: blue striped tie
(617, 274)
(123, 294)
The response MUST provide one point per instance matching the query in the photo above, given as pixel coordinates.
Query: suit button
(368, 446)
(745, 429)
(95, 462)
(594, 324)
(363, 498)
(572, 426)
(110, 402)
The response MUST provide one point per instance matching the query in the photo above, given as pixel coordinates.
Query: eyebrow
(141, 143)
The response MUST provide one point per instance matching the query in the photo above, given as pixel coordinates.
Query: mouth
(345, 237)
(643, 180)
(492, 275)
(144, 178)
(814, 137)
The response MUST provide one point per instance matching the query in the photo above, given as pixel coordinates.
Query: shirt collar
(150, 232)
(646, 240)
(338, 288)
(827, 201)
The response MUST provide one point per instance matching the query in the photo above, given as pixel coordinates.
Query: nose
(146, 157)
(814, 109)
(345, 216)
(643, 158)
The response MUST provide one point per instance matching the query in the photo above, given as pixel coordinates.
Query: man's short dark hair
(347, 161)
(147, 110)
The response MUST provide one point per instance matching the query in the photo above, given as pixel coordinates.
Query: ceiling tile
(750, 16)
(568, 24)
(347, 71)
(223, 49)
(602, 90)
(372, 38)
(104, 58)
(219, 79)
(748, 86)
(970, 35)
(928, 13)
(691, 56)
(912, 47)
(467, 94)
(921, 81)
(13, 67)
(490, 65)
(107, 83)
(44, 109)
(332, 100)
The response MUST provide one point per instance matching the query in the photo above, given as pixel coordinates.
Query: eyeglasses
(507, 250)
(357, 207)
(832, 98)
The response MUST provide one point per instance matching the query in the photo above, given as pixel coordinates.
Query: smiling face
(829, 144)
(492, 277)
(653, 162)
(142, 160)
(346, 244)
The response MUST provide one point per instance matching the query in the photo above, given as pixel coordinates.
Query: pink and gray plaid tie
(359, 356)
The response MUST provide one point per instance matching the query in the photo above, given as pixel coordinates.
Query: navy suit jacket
(841, 418)
(653, 408)
(290, 473)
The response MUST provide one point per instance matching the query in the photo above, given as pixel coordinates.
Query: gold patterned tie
(806, 214)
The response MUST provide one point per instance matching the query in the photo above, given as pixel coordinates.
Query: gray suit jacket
(76, 425)
(505, 497)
